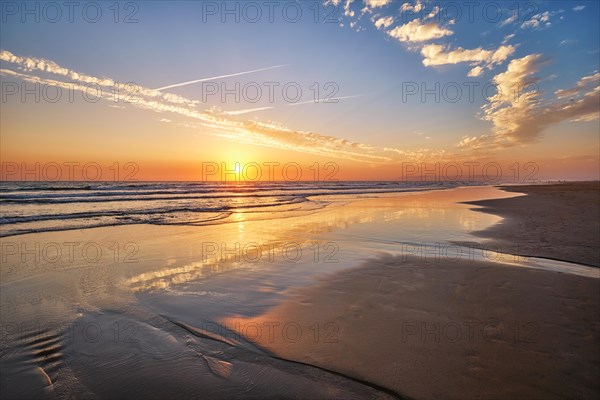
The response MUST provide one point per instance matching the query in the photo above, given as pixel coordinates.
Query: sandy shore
(366, 311)
(559, 221)
(436, 330)
(432, 328)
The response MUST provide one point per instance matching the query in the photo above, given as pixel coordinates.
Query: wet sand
(341, 322)
(559, 221)
(438, 328)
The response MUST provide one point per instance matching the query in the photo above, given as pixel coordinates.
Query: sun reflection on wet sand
(431, 216)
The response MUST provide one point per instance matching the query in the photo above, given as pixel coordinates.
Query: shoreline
(569, 234)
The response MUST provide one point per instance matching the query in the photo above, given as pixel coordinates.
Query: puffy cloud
(377, 3)
(384, 22)
(435, 54)
(578, 8)
(347, 10)
(475, 72)
(416, 7)
(519, 115)
(417, 31)
(433, 12)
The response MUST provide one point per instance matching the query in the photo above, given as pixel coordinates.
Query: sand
(348, 329)
(466, 329)
(560, 221)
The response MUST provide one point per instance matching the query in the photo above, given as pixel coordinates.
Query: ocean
(28, 207)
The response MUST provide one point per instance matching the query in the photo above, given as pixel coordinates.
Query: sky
(381, 89)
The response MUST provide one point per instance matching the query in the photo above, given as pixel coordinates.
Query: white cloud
(416, 31)
(418, 6)
(509, 20)
(518, 113)
(347, 10)
(507, 38)
(384, 22)
(377, 3)
(585, 84)
(541, 20)
(435, 54)
(475, 72)
(567, 41)
(578, 8)
(433, 12)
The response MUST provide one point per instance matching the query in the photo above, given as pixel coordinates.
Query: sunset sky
(371, 59)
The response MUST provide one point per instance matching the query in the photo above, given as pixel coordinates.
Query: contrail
(324, 100)
(239, 112)
(219, 77)
(249, 110)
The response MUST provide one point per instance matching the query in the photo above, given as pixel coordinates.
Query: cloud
(584, 85)
(518, 113)
(511, 109)
(435, 54)
(475, 72)
(507, 38)
(509, 20)
(567, 41)
(348, 12)
(433, 12)
(406, 7)
(212, 122)
(384, 22)
(423, 154)
(377, 3)
(541, 20)
(474, 142)
(578, 8)
(417, 31)
(48, 66)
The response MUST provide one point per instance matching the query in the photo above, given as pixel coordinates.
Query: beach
(556, 221)
(384, 295)
(435, 327)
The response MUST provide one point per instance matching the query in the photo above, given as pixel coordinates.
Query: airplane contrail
(239, 112)
(324, 100)
(249, 110)
(219, 77)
